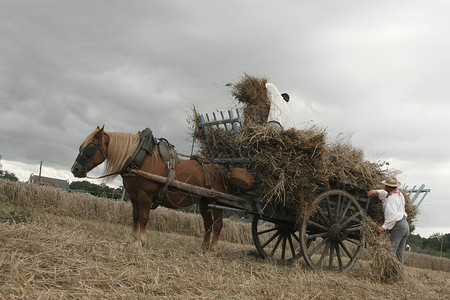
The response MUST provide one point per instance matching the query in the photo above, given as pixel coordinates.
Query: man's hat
(285, 97)
(391, 181)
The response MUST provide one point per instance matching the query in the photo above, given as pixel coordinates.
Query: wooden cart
(329, 237)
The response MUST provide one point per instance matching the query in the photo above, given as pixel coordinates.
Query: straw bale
(251, 92)
(384, 265)
(411, 210)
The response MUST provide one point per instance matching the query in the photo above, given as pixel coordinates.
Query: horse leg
(207, 223)
(135, 226)
(217, 227)
(145, 204)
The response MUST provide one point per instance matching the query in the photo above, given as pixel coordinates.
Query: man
(279, 109)
(394, 215)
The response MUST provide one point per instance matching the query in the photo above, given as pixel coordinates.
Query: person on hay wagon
(394, 214)
(279, 108)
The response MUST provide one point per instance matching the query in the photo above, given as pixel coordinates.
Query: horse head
(93, 151)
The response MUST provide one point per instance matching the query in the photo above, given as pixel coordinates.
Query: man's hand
(379, 229)
(372, 193)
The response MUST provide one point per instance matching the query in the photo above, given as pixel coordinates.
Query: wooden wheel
(279, 240)
(335, 226)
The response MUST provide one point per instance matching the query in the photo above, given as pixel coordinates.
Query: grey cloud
(357, 68)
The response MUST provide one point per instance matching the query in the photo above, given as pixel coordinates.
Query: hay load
(291, 164)
(251, 93)
(347, 163)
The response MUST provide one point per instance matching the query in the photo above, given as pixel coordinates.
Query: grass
(86, 255)
(15, 216)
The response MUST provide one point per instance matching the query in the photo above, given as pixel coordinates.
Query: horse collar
(146, 145)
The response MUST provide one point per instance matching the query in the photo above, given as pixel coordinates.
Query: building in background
(58, 183)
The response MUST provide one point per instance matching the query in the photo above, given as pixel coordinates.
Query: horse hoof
(137, 244)
(205, 249)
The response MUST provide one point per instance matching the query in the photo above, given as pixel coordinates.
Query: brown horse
(117, 147)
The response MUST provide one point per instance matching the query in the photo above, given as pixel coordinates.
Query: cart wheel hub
(337, 233)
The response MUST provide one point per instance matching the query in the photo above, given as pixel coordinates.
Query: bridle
(87, 153)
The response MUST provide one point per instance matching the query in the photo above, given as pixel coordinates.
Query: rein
(103, 176)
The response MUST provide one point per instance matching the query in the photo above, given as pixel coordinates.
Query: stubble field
(58, 245)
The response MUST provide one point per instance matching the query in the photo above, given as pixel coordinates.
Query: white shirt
(279, 108)
(394, 207)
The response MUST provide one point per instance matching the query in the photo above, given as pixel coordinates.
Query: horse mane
(121, 146)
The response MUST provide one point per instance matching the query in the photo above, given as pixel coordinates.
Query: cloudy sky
(377, 71)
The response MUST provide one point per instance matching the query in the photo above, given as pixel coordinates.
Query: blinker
(89, 150)
(86, 154)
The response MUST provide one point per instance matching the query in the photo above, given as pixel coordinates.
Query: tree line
(8, 176)
(438, 244)
(99, 190)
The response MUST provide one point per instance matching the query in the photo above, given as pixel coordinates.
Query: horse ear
(99, 132)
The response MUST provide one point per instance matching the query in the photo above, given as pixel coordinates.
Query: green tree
(437, 244)
(433, 242)
(8, 176)
(101, 190)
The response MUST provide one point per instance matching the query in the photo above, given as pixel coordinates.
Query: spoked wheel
(336, 226)
(280, 240)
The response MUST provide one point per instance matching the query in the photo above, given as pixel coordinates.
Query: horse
(116, 148)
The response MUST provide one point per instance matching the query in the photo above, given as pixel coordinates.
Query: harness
(201, 161)
(146, 145)
(168, 155)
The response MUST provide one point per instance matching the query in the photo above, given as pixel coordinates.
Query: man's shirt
(394, 207)
(279, 108)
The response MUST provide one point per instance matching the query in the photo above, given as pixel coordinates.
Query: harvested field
(49, 251)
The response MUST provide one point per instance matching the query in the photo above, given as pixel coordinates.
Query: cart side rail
(230, 125)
